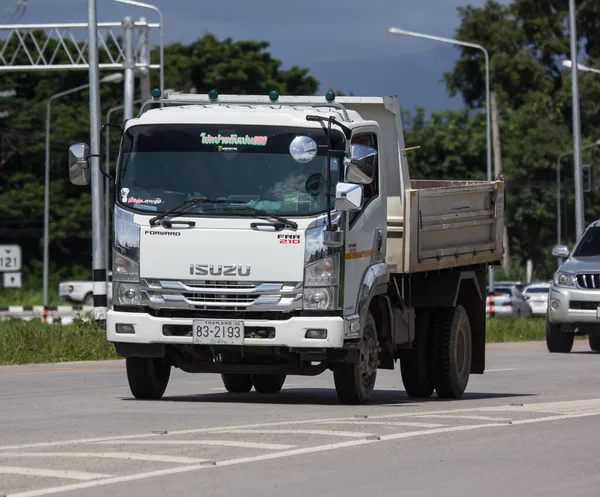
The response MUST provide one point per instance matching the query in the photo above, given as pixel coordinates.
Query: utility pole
(98, 257)
(144, 75)
(498, 168)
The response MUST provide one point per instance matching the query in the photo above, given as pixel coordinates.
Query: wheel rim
(369, 357)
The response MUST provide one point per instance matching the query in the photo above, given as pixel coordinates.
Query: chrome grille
(222, 295)
(588, 281)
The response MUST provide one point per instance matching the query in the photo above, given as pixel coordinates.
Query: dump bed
(431, 224)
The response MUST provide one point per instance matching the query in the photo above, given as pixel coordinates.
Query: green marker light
(273, 95)
(330, 96)
(156, 93)
(213, 95)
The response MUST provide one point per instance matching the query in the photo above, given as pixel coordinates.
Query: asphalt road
(528, 427)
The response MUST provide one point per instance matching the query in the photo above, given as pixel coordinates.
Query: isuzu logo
(219, 270)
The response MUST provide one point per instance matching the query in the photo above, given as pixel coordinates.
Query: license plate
(218, 332)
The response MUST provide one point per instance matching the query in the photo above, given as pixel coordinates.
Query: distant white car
(81, 292)
(507, 301)
(536, 295)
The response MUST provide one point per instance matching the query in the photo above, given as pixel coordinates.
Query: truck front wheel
(451, 366)
(355, 382)
(557, 340)
(148, 377)
(237, 383)
(268, 383)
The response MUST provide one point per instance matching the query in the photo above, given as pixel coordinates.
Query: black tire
(88, 299)
(415, 363)
(557, 340)
(148, 377)
(452, 349)
(354, 383)
(594, 341)
(268, 383)
(237, 383)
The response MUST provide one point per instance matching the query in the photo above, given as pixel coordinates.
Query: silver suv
(574, 297)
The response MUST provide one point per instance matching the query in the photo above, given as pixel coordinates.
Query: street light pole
(402, 32)
(576, 125)
(113, 78)
(162, 40)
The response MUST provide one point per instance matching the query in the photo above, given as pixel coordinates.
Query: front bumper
(573, 306)
(287, 333)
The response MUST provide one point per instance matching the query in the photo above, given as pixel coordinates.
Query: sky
(345, 44)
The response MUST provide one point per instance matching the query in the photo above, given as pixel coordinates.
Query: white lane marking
(329, 433)
(109, 455)
(215, 443)
(480, 418)
(53, 473)
(538, 407)
(222, 389)
(288, 453)
(501, 369)
(388, 423)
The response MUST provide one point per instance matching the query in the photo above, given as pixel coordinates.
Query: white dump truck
(261, 236)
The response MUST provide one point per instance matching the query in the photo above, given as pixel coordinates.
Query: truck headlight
(125, 269)
(129, 294)
(565, 280)
(320, 298)
(322, 273)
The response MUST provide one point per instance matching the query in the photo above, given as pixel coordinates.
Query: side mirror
(79, 167)
(348, 197)
(560, 251)
(360, 164)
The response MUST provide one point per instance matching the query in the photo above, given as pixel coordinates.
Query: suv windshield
(161, 166)
(589, 246)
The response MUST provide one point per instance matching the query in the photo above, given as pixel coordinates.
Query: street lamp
(581, 67)
(402, 32)
(558, 215)
(112, 78)
(162, 49)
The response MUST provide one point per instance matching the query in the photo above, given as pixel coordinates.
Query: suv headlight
(565, 280)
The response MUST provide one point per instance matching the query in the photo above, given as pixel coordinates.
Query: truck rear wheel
(237, 383)
(415, 363)
(594, 341)
(557, 340)
(268, 383)
(354, 383)
(451, 365)
(148, 377)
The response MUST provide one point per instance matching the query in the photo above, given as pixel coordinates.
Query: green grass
(24, 297)
(515, 330)
(28, 342)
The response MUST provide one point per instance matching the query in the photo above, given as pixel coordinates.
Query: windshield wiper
(260, 213)
(187, 205)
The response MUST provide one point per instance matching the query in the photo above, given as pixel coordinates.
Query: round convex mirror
(303, 149)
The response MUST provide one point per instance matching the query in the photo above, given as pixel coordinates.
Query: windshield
(589, 246)
(163, 165)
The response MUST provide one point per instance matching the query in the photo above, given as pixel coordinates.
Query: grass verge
(28, 342)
